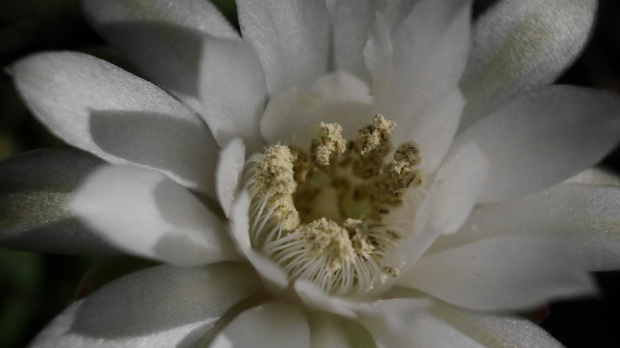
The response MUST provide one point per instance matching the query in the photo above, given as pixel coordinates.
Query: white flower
(368, 247)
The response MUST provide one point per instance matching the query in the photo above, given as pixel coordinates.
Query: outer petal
(229, 172)
(328, 331)
(430, 50)
(395, 11)
(512, 272)
(100, 108)
(595, 176)
(147, 214)
(273, 324)
(163, 306)
(34, 189)
(585, 216)
(543, 138)
(521, 45)
(232, 89)
(350, 20)
(291, 38)
(163, 39)
(494, 330)
(402, 323)
(316, 298)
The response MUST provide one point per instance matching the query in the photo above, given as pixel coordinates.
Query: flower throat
(320, 215)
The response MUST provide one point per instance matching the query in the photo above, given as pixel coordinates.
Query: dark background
(36, 287)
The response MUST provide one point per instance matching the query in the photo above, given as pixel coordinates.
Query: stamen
(320, 216)
(331, 143)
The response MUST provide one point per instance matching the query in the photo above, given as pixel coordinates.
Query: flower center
(321, 215)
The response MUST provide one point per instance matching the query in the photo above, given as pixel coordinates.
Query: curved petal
(543, 138)
(327, 330)
(379, 56)
(291, 38)
(595, 176)
(232, 90)
(98, 107)
(316, 298)
(395, 11)
(508, 272)
(350, 21)
(460, 181)
(272, 274)
(34, 190)
(163, 39)
(449, 201)
(338, 97)
(163, 306)
(403, 323)
(494, 330)
(149, 215)
(272, 324)
(433, 127)
(522, 45)
(585, 216)
(229, 172)
(430, 48)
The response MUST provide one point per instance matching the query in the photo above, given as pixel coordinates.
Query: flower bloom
(385, 173)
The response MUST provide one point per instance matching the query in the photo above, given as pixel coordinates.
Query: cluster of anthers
(321, 215)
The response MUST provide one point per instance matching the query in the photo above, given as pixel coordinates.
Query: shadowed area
(168, 54)
(159, 141)
(34, 189)
(160, 299)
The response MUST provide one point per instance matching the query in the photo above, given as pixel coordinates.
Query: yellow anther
(326, 238)
(330, 143)
(375, 137)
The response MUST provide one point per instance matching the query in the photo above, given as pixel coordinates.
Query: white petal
(447, 205)
(98, 107)
(34, 190)
(395, 11)
(272, 274)
(316, 298)
(163, 306)
(430, 50)
(295, 115)
(328, 331)
(495, 330)
(147, 214)
(522, 45)
(232, 90)
(584, 216)
(229, 172)
(595, 176)
(511, 272)
(163, 39)
(543, 138)
(433, 127)
(291, 38)
(350, 20)
(378, 56)
(403, 323)
(272, 324)
(460, 181)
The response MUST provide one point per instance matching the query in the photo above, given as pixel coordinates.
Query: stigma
(321, 214)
